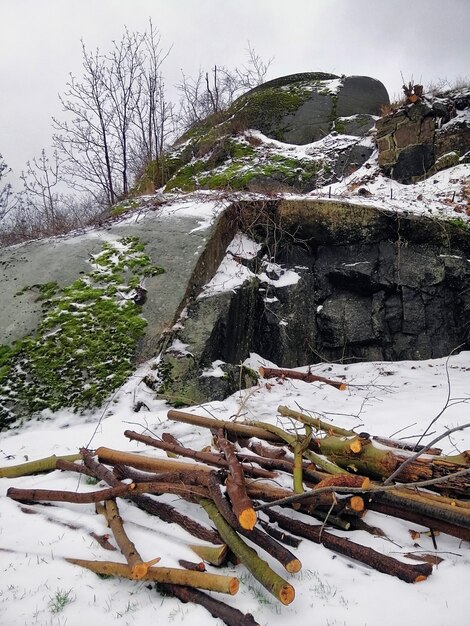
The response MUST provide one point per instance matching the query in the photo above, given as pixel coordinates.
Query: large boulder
(319, 100)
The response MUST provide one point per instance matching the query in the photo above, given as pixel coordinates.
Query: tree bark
(380, 562)
(280, 589)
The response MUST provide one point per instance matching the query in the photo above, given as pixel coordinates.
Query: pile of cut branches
(336, 476)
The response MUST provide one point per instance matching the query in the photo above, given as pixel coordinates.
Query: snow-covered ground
(388, 399)
(382, 398)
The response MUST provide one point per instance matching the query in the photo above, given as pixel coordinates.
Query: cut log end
(294, 566)
(287, 594)
(355, 446)
(139, 570)
(233, 586)
(420, 578)
(247, 519)
(342, 387)
(356, 503)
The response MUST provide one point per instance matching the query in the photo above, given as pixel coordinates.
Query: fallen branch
(161, 510)
(137, 566)
(306, 377)
(204, 457)
(49, 495)
(314, 422)
(290, 562)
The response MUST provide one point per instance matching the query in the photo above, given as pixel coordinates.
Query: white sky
(40, 45)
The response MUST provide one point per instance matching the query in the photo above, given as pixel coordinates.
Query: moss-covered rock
(85, 344)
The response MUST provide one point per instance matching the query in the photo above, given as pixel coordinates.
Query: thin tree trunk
(232, 427)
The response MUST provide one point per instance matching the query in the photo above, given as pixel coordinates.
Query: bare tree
(6, 193)
(117, 115)
(40, 196)
(214, 91)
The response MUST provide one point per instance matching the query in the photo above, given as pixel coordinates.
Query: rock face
(420, 139)
(370, 287)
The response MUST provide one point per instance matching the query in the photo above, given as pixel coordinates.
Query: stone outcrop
(301, 109)
(371, 286)
(417, 140)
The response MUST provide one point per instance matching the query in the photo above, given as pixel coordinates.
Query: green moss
(85, 344)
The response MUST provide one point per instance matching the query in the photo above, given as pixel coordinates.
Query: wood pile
(337, 475)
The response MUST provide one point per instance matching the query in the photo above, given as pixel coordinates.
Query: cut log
(218, 609)
(271, 581)
(193, 567)
(306, 377)
(204, 457)
(165, 512)
(380, 463)
(201, 580)
(232, 427)
(380, 562)
(47, 464)
(288, 560)
(215, 555)
(137, 566)
(236, 488)
(147, 463)
(419, 518)
(49, 495)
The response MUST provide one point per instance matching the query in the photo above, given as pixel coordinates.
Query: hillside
(262, 242)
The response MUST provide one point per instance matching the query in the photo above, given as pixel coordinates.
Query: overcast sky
(40, 45)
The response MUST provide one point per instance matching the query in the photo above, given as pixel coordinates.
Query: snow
(389, 399)
(382, 398)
